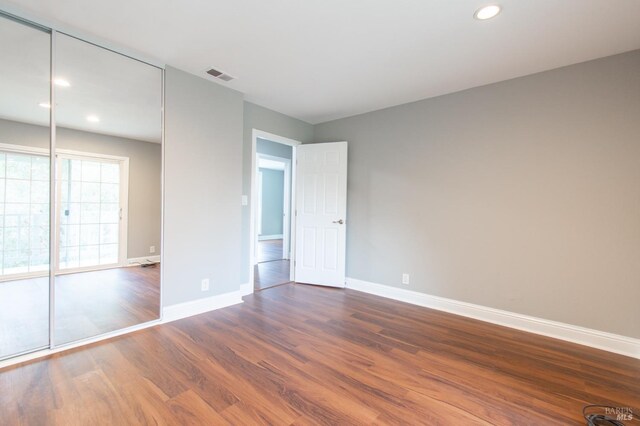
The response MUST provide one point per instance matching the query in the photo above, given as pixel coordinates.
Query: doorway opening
(271, 214)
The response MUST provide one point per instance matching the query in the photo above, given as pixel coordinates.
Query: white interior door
(321, 210)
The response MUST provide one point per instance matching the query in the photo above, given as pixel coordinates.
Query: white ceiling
(323, 59)
(125, 94)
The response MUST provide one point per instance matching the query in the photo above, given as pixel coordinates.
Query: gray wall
(273, 148)
(203, 184)
(272, 201)
(257, 117)
(145, 162)
(522, 195)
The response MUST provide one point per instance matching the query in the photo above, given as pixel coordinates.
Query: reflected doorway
(273, 214)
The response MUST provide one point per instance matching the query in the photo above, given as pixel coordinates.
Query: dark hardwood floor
(87, 304)
(298, 354)
(269, 250)
(270, 274)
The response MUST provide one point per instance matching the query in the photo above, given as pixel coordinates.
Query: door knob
(339, 221)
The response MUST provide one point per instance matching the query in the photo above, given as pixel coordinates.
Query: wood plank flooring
(270, 274)
(88, 304)
(298, 354)
(271, 270)
(269, 250)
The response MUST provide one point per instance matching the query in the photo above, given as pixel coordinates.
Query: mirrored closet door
(108, 198)
(80, 189)
(24, 187)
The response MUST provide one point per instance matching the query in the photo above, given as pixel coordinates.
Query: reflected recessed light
(45, 104)
(93, 118)
(487, 12)
(61, 82)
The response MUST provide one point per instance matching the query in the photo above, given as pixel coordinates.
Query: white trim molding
(246, 289)
(270, 237)
(623, 345)
(200, 306)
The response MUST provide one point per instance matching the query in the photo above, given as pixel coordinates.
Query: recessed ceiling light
(61, 82)
(487, 12)
(93, 118)
(45, 104)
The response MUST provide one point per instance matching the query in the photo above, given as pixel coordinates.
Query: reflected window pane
(90, 171)
(90, 192)
(89, 235)
(17, 191)
(90, 213)
(40, 169)
(90, 255)
(110, 173)
(109, 193)
(18, 166)
(108, 254)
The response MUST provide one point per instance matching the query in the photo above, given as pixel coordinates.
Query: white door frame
(255, 134)
(286, 202)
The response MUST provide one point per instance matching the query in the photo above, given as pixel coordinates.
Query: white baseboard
(200, 306)
(142, 260)
(246, 289)
(623, 345)
(270, 237)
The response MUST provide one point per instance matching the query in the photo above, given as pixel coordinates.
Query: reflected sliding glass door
(91, 213)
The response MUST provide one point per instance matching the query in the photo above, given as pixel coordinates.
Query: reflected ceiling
(124, 94)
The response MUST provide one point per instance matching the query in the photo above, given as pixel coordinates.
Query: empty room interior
(320, 212)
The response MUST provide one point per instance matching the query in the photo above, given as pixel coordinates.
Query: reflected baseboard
(134, 261)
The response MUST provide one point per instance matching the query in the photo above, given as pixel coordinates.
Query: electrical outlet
(405, 279)
(204, 286)
(152, 249)
(245, 200)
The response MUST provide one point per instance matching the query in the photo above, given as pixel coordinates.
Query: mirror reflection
(108, 156)
(24, 187)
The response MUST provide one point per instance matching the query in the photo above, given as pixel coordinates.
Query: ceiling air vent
(219, 75)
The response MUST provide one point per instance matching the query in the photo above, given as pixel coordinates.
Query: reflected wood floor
(269, 274)
(297, 354)
(272, 269)
(88, 304)
(269, 250)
